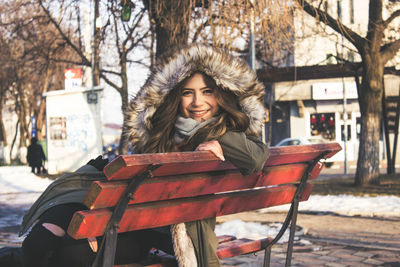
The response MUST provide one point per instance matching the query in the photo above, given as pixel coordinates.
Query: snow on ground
(19, 188)
(17, 180)
(381, 206)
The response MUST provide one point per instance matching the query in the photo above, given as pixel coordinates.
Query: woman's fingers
(55, 229)
(212, 146)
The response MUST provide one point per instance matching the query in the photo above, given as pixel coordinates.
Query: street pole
(344, 117)
(95, 67)
(345, 126)
(252, 54)
(252, 45)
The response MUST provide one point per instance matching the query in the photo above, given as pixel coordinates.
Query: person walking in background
(35, 156)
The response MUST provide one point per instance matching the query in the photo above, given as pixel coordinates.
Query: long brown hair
(161, 132)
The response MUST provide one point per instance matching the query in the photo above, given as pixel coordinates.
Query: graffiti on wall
(75, 131)
(81, 131)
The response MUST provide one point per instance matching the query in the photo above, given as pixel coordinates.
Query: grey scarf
(186, 127)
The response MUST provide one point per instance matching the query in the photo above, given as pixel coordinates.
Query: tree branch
(391, 18)
(388, 51)
(78, 51)
(112, 84)
(336, 25)
(111, 72)
(69, 61)
(199, 30)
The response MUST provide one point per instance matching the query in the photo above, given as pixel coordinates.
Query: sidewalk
(323, 254)
(332, 240)
(327, 240)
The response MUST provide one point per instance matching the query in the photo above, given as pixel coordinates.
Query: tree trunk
(96, 56)
(124, 142)
(40, 118)
(371, 109)
(3, 133)
(172, 22)
(22, 114)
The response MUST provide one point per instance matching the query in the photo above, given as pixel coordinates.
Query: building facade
(321, 100)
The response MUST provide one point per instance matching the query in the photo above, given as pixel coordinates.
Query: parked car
(296, 141)
(110, 152)
(301, 141)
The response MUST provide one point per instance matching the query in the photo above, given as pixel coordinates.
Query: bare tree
(6, 80)
(28, 41)
(117, 40)
(375, 52)
(224, 24)
(125, 38)
(171, 21)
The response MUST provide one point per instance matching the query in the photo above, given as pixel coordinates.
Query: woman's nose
(198, 100)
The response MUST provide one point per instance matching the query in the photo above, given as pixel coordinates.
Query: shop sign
(73, 78)
(325, 91)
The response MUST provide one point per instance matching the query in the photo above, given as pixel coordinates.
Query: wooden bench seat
(153, 190)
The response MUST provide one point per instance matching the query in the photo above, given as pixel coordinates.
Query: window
(339, 9)
(323, 125)
(58, 128)
(348, 132)
(351, 9)
(358, 127)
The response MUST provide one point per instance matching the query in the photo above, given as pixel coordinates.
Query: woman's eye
(208, 91)
(186, 93)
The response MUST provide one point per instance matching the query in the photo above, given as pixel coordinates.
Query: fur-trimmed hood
(229, 72)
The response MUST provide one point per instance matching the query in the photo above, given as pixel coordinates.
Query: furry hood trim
(229, 72)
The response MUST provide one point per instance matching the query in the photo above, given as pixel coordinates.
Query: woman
(200, 98)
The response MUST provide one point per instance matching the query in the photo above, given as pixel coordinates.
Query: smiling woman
(201, 98)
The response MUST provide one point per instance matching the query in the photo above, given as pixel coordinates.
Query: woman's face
(198, 101)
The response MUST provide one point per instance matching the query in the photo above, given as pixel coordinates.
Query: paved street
(331, 240)
(325, 240)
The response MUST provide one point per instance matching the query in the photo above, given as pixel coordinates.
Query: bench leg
(267, 256)
(106, 254)
(291, 234)
(291, 217)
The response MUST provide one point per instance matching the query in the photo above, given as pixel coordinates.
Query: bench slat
(142, 216)
(241, 246)
(126, 167)
(106, 194)
(225, 238)
(225, 250)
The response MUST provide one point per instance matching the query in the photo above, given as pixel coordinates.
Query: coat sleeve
(247, 153)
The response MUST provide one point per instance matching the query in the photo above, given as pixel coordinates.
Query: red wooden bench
(153, 190)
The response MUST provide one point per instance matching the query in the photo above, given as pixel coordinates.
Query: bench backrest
(190, 186)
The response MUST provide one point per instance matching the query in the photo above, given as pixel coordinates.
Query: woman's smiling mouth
(199, 112)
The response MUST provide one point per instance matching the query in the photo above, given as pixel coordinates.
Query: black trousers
(42, 248)
(36, 169)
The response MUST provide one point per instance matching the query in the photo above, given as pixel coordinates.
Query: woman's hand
(212, 146)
